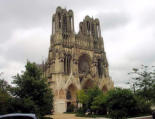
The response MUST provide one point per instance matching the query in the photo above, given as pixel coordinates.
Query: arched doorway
(104, 89)
(71, 96)
(88, 84)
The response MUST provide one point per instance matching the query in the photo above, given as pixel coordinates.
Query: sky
(128, 30)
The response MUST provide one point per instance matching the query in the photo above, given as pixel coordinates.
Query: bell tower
(62, 27)
(63, 21)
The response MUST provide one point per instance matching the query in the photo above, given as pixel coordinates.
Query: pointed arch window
(59, 19)
(100, 68)
(68, 96)
(67, 64)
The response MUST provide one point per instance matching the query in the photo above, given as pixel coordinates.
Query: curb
(145, 117)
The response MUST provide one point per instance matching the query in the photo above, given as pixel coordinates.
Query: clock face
(83, 64)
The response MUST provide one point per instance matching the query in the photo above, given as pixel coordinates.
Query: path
(67, 116)
(72, 116)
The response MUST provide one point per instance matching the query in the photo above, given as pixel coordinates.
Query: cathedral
(75, 60)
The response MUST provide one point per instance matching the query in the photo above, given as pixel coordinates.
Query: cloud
(11, 69)
(127, 28)
(28, 44)
(113, 19)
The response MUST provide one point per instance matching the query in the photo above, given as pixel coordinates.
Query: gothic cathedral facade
(75, 61)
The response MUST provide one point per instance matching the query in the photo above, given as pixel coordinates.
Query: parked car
(18, 116)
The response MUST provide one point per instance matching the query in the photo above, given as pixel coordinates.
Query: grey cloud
(30, 48)
(147, 19)
(22, 14)
(120, 75)
(29, 14)
(17, 14)
(144, 54)
(111, 20)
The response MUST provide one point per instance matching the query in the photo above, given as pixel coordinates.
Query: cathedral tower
(75, 61)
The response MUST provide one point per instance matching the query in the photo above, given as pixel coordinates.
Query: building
(75, 61)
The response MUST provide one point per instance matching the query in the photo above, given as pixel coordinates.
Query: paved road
(72, 116)
(66, 116)
(146, 117)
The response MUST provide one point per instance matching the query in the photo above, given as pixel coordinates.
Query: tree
(4, 95)
(4, 86)
(122, 103)
(92, 94)
(82, 97)
(117, 103)
(99, 104)
(21, 105)
(143, 80)
(32, 88)
(86, 97)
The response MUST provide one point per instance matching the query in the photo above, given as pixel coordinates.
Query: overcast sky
(128, 29)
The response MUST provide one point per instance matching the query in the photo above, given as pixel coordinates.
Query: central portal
(71, 97)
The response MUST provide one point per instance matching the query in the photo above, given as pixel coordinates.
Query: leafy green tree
(86, 97)
(121, 103)
(32, 88)
(92, 94)
(4, 86)
(99, 104)
(4, 95)
(143, 106)
(153, 94)
(82, 97)
(21, 105)
(143, 80)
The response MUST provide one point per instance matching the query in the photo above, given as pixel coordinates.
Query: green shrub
(118, 114)
(117, 103)
(98, 105)
(122, 103)
(70, 108)
(144, 107)
(81, 110)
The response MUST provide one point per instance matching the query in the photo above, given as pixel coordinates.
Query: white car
(18, 116)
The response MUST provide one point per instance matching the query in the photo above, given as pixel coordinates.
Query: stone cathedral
(76, 60)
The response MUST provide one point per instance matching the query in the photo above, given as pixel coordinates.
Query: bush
(80, 111)
(118, 114)
(98, 105)
(86, 97)
(143, 105)
(121, 103)
(117, 103)
(70, 108)
(18, 105)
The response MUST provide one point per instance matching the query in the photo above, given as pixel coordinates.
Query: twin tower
(75, 61)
